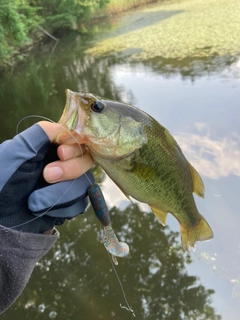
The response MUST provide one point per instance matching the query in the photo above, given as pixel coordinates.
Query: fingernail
(68, 152)
(53, 174)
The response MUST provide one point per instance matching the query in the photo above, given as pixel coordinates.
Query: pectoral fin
(161, 215)
(198, 186)
(143, 170)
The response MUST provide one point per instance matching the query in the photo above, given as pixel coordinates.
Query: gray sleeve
(19, 252)
(22, 147)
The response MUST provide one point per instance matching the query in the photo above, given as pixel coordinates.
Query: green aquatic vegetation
(119, 6)
(176, 30)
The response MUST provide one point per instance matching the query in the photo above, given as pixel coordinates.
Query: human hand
(74, 160)
(24, 192)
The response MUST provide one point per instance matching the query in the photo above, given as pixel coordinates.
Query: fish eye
(97, 106)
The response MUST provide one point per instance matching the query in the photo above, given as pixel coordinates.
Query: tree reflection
(38, 86)
(75, 280)
(190, 67)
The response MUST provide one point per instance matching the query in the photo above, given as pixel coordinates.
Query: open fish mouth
(73, 116)
(72, 120)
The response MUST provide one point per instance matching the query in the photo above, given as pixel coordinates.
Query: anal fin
(161, 215)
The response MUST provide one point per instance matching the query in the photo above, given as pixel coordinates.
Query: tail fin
(199, 232)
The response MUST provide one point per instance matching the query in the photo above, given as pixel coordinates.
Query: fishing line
(128, 308)
(110, 256)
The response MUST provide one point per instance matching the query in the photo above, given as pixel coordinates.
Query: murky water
(197, 97)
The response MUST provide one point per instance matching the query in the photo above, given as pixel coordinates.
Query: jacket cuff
(19, 253)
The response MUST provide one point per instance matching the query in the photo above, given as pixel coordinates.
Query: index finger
(67, 170)
(68, 151)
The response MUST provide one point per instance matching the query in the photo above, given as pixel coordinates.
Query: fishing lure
(110, 240)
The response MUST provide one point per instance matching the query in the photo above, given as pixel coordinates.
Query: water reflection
(214, 158)
(154, 276)
(191, 67)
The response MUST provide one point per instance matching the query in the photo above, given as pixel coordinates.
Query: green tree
(17, 19)
(66, 14)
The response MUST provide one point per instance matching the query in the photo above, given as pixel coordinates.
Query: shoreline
(111, 10)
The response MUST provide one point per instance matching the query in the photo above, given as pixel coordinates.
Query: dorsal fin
(198, 186)
(161, 215)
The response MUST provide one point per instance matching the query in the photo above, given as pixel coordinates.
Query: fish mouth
(72, 120)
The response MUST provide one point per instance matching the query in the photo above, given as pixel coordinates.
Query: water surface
(196, 96)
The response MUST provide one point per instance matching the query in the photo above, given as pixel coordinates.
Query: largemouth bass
(140, 156)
